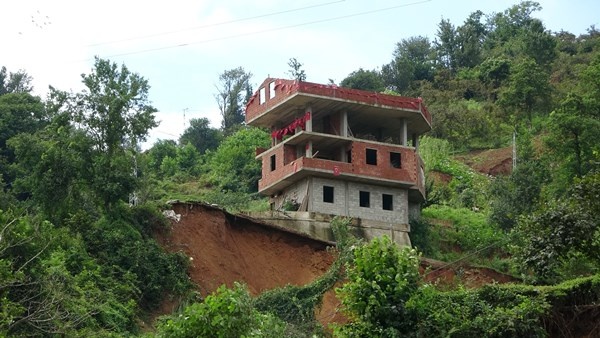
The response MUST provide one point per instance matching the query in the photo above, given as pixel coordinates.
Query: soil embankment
(224, 249)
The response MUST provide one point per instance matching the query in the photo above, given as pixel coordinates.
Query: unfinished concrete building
(340, 151)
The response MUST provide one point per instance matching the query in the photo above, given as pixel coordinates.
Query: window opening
(371, 155)
(327, 194)
(364, 199)
(272, 90)
(273, 162)
(395, 159)
(387, 201)
(263, 95)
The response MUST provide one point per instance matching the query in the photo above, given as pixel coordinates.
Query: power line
(214, 24)
(268, 30)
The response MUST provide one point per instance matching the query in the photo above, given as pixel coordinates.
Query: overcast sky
(181, 46)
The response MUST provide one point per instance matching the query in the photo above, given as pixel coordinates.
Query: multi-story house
(340, 151)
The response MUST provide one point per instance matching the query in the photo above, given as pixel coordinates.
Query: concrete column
(309, 122)
(343, 133)
(403, 132)
(309, 149)
(344, 124)
(273, 139)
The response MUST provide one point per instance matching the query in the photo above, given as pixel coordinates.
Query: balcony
(282, 100)
(367, 161)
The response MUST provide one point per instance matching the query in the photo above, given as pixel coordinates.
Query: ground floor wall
(317, 225)
(376, 210)
(359, 200)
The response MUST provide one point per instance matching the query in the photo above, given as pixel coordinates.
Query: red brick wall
(286, 164)
(407, 171)
(285, 88)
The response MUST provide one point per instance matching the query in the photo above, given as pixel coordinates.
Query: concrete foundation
(317, 225)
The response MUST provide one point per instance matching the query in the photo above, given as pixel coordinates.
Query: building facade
(340, 151)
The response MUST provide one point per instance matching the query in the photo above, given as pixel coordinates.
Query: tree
(19, 82)
(296, 71)
(233, 165)
(528, 88)
(116, 114)
(364, 79)
(159, 151)
(201, 135)
(413, 61)
(53, 167)
(114, 108)
(380, 281)
(573, 140)
(446, 46)
(470, 40)
(519, 193)
(515, 33)
(233, 91)
(19, 113)
(570, 225)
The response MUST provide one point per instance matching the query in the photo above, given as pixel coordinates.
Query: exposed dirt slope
(225, 249)
(495, 162)
(223, 252)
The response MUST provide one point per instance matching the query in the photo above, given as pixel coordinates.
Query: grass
(459, 233)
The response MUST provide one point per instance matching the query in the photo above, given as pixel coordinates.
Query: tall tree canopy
(92, 141)
(365, 80)
(19, 82)
(201, 135)
(413, 61)
(233, 91)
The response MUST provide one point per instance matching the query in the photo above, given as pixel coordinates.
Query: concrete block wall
(347, 201)
(316, 204)
(375, 211)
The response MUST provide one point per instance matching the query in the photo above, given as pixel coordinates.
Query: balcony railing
(287, 170)
(284, 89)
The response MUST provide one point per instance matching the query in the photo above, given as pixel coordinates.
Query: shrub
(381, 279)
(225, 313)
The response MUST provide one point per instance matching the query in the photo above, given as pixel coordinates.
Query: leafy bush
(491, 311)
(225, 313)
(560, 230)
(470, 230)
(121, 243)
(232, 165)
(381, 279)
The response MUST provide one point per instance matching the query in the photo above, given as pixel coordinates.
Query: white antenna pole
(514, 150)
(184, 111)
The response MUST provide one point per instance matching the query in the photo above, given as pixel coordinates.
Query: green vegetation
(288, 311)
(80, 202)
(385, 297)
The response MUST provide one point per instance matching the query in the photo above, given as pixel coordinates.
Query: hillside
(224, 249)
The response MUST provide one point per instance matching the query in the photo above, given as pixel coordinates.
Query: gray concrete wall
(375, 211)
(317, 225)
(316, 204)
(296, 192)
(347, 198)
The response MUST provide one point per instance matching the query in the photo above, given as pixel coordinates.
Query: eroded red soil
(224, 249)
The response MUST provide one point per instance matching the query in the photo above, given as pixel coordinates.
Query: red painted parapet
(275, 91)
